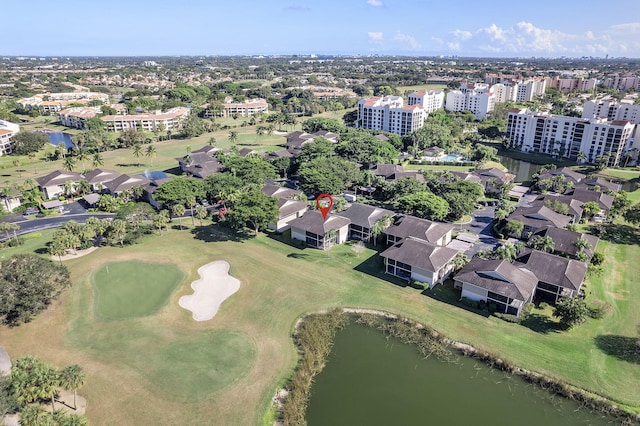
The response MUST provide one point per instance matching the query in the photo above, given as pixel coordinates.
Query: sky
(496, 28)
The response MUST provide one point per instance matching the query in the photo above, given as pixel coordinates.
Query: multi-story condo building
(76, 117)
(388, 113)
(55, 102)
(170, 120)
(622, 82)
(569, 136)
(613, 110)
(245, 109)
(430, 100)
(476, 98)
(566, 85)
(7, 130)
(527, 90)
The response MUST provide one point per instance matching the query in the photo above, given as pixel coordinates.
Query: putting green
(133, 289)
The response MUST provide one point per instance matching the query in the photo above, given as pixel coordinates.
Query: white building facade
(7, 130)
(477, 98)
(430, 100)
(569, 136)
(389, 114)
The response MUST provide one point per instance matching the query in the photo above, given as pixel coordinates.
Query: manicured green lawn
(133, 289)
(144, 370)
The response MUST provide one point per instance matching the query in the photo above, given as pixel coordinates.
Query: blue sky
(407, 27)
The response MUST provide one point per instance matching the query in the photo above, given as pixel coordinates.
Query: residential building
(245, 109)
(52, 185)
(170, 120)
(557, 276)
(564, 241)
(7, 130)
(526, 91)
(295, 140)
(537, 217)
(76, 116)
(363, 218)
(622, 82)
(569, 136)
(55, 102)
(436, 233)
(418, 260)
(201, 162)
(10, 198)
(476, 98)
(388, 113)
(612, 110)
(430, 100)
(319, 233)
(125, 182)
(99, 177)
(497, 282)
(493, 179)
(289, 207)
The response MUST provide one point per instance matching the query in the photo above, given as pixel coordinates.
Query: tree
(379, 227)
(178, 211)
(201, 213)
(582, 247)
(590, 208)
(33, 380)
(328, 175)
(161, 220)
(538, 242)
(632, 214)
(25, 142)
(313, 125)
(97, 160)
(118, 229)
(28, 283)
(253, 209)
(219, 186)
(514, 227)
(319, 148)
(69, 163)
(137, 153)
(250, 169)
(191, 202)
(179, 191)
(151, 152)
(571, 312)
(424, 204)
(233, 136)
(72, 378)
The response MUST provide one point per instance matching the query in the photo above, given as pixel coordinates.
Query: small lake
(56, 138)
(522, 169)
(370, 379)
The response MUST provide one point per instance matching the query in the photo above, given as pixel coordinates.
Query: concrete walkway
(5, 363)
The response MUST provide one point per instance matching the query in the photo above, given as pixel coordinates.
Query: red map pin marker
(324, 203)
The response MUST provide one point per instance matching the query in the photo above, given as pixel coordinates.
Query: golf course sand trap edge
(214, 287)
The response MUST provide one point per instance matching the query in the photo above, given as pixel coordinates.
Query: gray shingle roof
(565, 240)
(420, 254)
(411, 226)
(538, 216)
(556, 270)
(101, 176)
(499, 276)
(364, 215)
(605, 201)
(312, 221)
(59, 177)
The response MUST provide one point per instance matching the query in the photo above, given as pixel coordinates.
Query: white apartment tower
(477, 98)
(430, 100)
(388, 113)
(568, 136)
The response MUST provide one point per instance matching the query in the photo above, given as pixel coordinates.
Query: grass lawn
(166, 368)
(133, 289)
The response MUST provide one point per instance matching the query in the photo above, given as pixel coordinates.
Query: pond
(370, 379)
(56, 138)
(523, 170)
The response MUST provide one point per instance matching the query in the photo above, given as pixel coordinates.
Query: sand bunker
(214, 287)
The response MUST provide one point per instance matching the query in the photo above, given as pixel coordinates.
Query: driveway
(39, 224)
(480, 225)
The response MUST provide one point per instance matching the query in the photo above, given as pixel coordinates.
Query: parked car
(31, 210)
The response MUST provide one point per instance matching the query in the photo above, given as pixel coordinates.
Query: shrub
(507, 317)
(597, 258)
(418, 285)
(493, 307)
(543, 305)
(599, 309)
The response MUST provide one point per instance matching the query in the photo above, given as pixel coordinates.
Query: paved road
(481, 222)
(39, 224)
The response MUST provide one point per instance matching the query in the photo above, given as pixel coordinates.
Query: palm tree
(30, 415)
(233, 136)
(72, 378)
(212, 141)
(178, 211)
(69, 163)
(16, 164)
(97, 160)
(151, 152)
(582, 157)
(83, 187)
(201, 213)
(378, 227)
(137, 152)
(191, 202)
(82, 155)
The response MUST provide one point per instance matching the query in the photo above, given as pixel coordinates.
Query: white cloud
(461, 35)
(375, 37)
(525, 38)
(375, 3)
(405, 38)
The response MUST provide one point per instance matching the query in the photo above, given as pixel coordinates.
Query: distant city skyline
(498, 28)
